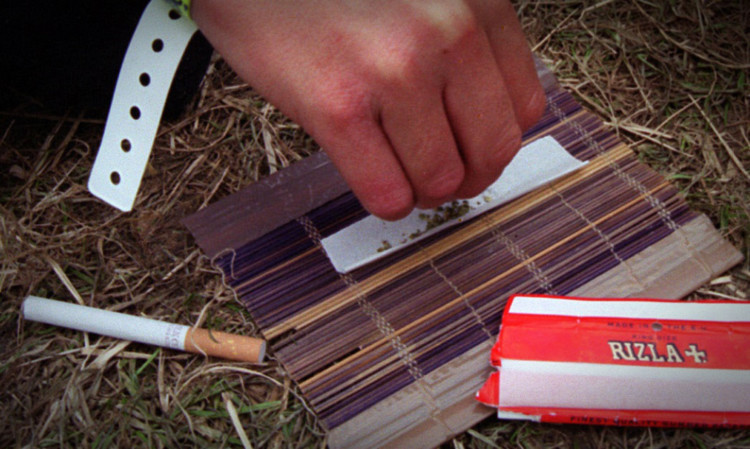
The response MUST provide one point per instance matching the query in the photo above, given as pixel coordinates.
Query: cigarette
(144, 330)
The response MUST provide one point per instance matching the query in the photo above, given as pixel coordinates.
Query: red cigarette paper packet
(622, 362)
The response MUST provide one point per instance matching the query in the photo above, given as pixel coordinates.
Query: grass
(669, 77)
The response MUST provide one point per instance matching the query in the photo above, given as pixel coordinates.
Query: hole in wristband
(657, 326)
(145, 79)
(174, 14)
(157, 45)
(135, 112)
(125, 145)
(114, 177)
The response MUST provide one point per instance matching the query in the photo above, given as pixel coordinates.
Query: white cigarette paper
(142, 330)
(371, 238)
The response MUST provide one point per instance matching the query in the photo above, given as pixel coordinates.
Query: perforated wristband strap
(146, 74)
(182, 5)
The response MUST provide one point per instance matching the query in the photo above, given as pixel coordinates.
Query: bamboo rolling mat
(392, 353)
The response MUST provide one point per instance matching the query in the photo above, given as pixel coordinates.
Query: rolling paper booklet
(637, 362)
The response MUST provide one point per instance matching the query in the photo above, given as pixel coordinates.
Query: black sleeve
(65, 56)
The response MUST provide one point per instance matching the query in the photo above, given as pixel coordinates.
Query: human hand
(415, 102)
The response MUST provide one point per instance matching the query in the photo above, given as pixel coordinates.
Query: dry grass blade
(715, 57)
(236, 421)
(65, 280)
(726, 146)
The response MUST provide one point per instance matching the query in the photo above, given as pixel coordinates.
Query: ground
(671, 78)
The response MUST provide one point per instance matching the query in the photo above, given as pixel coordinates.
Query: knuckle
(401, 63)
(450, 21)
(435, 28)
(343, 106)
(468, 31)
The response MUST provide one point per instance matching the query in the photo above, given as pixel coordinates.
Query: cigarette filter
(144, 330)
(641, 362)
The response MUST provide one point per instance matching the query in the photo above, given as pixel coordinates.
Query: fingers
(483, 119)
(493, 94)
(356, 144)
(437, 138)
(515, 62)
(421, 136)
(415, 102)
(407, 158)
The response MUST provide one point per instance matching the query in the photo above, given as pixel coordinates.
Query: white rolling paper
(371, 238)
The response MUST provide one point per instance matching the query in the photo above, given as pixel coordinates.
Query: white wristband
(146, 75)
